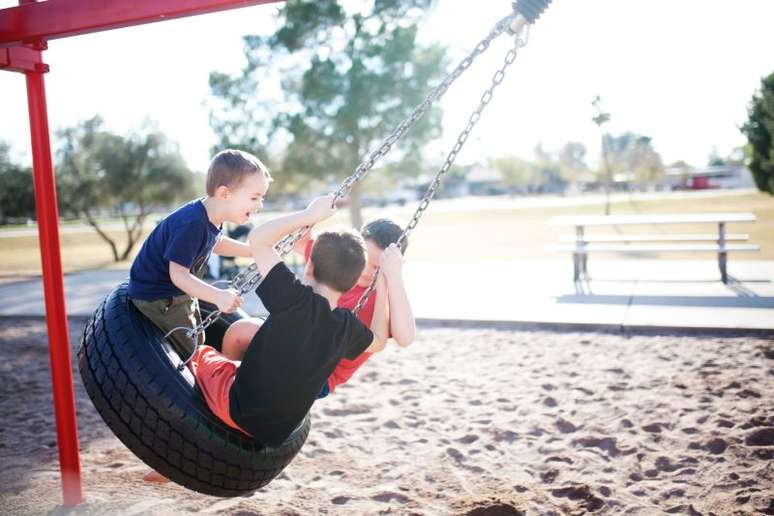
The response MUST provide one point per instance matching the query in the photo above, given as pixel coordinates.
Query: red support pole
(53, 285)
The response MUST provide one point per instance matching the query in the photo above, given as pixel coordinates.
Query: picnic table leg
(575, 266)
(579, 256)
(722, 254)
(722, 261)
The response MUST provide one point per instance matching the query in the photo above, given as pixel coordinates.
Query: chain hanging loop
(250, 277)
(520, 39)
(286, 245)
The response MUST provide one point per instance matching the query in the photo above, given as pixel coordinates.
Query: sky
(682, 72)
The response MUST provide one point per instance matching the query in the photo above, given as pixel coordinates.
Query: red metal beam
(61, 18)
(56, 315)
(22, 59)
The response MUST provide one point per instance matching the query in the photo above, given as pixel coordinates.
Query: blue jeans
(323, 392)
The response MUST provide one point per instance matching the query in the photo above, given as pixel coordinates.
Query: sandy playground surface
(466, 421)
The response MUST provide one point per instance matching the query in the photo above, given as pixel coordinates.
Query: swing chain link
(486, 98)
(249, 278)
(420, 110)
(243, 283)
(286, 245)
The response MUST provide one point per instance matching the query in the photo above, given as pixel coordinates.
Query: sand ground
(465, 421)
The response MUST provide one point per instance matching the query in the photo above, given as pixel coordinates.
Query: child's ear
(222, 192)
(309, 271)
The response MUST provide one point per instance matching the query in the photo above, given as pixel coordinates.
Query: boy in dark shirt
(164, 281)
(304, 337)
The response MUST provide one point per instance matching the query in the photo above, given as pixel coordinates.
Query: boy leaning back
(305, 335)
(165, 278)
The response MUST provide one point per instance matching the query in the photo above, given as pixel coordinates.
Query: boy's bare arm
(263, 238)
(401, 318)
(227, 246)
(300, 246)
(403, 327)
(226, 300)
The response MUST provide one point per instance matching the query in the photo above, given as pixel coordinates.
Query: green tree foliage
(544, 174)
(572, 162)
(351, 71)
(104, 173)
(547, 176)
(759, 130)
(633, 155)
(17, 200)
(517, 173)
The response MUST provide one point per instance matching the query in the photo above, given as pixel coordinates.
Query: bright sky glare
(680, 72)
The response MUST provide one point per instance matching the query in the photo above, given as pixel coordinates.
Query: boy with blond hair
(165, 279)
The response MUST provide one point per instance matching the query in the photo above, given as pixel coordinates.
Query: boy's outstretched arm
(263, 238)
(228, 246)
(301, 243)
(402, 325)
(226, 300)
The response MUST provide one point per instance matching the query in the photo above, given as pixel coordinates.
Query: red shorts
(214, 375)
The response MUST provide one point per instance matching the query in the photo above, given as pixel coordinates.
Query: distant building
(482, 180)
(722, 176)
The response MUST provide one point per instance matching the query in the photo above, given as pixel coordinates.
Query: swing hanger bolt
(518, 25)
(530, 10)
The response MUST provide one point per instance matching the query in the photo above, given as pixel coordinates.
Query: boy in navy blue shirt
(165, 278)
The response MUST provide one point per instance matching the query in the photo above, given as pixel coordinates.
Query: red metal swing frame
(24, 33)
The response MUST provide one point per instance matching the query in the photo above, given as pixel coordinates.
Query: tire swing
(147, 396)
(132, 376)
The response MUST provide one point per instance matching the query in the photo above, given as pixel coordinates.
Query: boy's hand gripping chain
(243, 283)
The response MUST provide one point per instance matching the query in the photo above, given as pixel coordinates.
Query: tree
(17, 198)
(599, 119)
(351, 71)
(759, 130)
(572, 162)
(683, 172)
(633, 154)
(129, 177)
(518, 173)
(547, 176)
(644, 162)
(714, 159)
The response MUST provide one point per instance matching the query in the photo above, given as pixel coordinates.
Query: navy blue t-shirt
(186, 236)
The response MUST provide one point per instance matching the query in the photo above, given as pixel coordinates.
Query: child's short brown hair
(338, 258)
(230, 166)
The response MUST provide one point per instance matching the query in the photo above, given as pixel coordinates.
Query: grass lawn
(450, 231)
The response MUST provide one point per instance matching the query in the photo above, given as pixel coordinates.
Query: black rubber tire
(130, 373)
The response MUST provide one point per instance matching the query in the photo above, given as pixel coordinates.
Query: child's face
(374, 253)
(247, 198)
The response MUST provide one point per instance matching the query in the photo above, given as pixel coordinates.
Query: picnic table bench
(581, 245)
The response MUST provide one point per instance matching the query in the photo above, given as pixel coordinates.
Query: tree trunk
(608, 177)
(102, 234)
(355, 197)
(355, 207)
(133, 234)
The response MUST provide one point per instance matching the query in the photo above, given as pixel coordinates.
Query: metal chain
(249, 278)
(486, 98)
(243, 283)
(286, 244)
